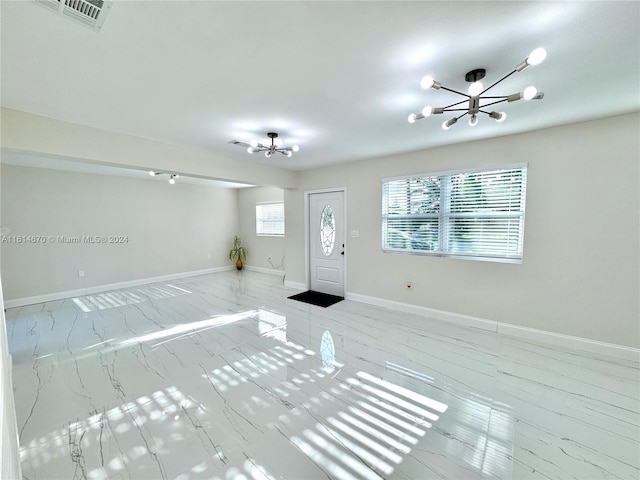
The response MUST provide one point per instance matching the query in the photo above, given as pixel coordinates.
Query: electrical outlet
(80, 273)
(209, 257)
(409, 285)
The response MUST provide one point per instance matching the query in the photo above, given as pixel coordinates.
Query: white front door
(326, 242)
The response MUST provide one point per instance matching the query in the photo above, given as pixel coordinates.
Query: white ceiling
(337, 78)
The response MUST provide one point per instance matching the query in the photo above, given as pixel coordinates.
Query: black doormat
(317, 298)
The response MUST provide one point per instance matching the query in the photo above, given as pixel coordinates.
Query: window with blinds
(270, 219)
(476, 214)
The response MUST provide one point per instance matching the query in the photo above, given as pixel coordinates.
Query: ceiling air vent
(91, 13)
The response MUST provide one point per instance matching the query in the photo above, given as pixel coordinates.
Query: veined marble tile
(223, 377)
(576, 415)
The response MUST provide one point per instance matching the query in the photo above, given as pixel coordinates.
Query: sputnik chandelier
(276, 146)
(476, 96)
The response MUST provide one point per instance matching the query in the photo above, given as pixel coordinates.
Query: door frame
(307, 250)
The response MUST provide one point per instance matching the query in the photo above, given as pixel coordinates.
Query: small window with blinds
(270, 219)
(474, 214)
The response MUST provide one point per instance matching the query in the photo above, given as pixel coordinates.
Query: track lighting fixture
(475, 95)
(172, 176)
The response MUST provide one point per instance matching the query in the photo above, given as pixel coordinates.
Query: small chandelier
(276, 146)
(476, 96)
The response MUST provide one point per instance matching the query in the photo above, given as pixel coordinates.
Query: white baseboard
(560, 340)
(516, 331)
(521, 333)
(268, 271)
(459, 319)
(294, 285)
(49, 297)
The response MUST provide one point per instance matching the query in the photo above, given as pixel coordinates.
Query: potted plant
(238, 253)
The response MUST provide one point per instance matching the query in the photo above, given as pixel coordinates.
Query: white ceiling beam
(36, 134)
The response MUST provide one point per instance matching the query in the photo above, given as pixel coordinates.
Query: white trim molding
(445, 316)
(268, 271)
(294, 285)
(49, 297)
(9, 443)
(569, 342)
(307, 247)
(507, 329)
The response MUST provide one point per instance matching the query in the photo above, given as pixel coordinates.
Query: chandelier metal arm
(455, 91)
(494, 84)
(493, 103)
(485, 112)
(503, 98)
(454, 104)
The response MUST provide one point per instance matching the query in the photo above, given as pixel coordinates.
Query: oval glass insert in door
(327, 230)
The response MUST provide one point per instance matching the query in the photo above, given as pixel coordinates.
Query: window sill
(477, 258)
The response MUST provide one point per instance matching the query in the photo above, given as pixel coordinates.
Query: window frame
(259, 221)
(443, 215)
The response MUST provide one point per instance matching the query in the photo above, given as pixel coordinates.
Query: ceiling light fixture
(475, 96)
(276, 146)
(172, 176)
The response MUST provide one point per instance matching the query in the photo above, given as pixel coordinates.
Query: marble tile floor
(223, 377)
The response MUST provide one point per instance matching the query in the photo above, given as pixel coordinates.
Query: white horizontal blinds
(270, 219)
(486, 213)
(411, 214)
(477, 214)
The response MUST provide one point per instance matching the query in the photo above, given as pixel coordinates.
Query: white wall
(580, 274)
(170, 229)
(259, 248)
